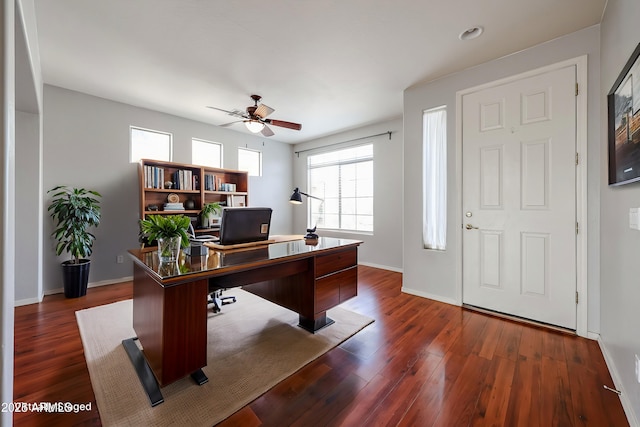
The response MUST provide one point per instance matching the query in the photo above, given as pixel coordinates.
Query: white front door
(519, 198)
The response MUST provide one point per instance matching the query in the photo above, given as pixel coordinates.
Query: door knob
(470, 227)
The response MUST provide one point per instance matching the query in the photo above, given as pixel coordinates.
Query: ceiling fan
(255, 118)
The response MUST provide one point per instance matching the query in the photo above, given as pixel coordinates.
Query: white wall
(28, 157)
(28, 285)
(383, 248)
(20, 90)
(86, 143)
(7, 268)
(620, 269)
(434, 274)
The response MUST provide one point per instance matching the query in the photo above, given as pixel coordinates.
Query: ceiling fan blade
(283, 124)
(230, 123)
(231, 113)
(266, 131)
(263, 111)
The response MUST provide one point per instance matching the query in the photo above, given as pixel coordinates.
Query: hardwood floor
(421, 363)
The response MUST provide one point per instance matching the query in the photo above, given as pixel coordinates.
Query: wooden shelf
(154, 173)
(229, 193)
(169, 212)
(168, 191)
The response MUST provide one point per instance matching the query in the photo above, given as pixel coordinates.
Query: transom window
(250, 161)
(149, 144)
(206, 153)
(344, 180)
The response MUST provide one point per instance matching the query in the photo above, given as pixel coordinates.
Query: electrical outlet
(637, 368)
(119, 259)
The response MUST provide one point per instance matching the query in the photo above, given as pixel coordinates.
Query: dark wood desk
(170, 301)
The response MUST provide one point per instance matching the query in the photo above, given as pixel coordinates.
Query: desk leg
(312, 325)
(148, 380)
(199, 377)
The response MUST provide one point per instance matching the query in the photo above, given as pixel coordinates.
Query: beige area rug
(252, 345)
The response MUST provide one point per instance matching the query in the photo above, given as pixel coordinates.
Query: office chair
(216, 298)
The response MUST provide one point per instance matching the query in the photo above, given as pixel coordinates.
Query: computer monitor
(244, 225)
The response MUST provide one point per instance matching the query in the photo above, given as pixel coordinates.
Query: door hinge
(577, 228)
(576, 297)
(577, 91)
(577, 159)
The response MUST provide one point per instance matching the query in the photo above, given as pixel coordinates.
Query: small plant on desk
(165, 226)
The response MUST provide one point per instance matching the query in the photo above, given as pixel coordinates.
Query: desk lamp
(296, 199)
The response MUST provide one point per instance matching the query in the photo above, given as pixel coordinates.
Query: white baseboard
(383, 267)
(593, 335)
(439, 298)
(27, 301)
(626, 404)
(93, 284)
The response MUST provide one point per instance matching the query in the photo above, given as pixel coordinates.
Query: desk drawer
(336, 288)
(327, 264)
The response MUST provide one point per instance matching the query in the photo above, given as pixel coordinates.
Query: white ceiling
(331, 65)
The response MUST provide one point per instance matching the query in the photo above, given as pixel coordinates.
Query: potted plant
(207, 212)
(74, 210)
(170, 231)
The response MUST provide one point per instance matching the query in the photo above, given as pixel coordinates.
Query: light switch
(634, 218)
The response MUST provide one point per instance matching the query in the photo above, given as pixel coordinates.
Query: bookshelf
(192, 186)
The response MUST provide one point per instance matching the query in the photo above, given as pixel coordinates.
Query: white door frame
(581, 180)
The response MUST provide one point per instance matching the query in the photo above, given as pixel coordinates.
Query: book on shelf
(183, 179)
(235, 200)
(227, 186)
(153, 177)
(209, 182)
(214, 183)
(173, 207)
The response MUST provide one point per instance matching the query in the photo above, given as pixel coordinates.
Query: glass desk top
(217, 261)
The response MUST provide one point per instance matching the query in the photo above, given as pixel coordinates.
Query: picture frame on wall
(623, 103)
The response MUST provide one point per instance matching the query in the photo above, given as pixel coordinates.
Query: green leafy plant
(166, 226)
(208, 209)
(74, 210)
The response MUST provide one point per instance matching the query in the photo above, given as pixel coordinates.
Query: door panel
(519, 244)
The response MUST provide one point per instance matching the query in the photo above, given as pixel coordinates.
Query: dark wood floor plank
(366, 402)
(509, 343)
(494, 399)
(492, 334)
(421, 363)
(531, 343)
(395, 404)
(526, 389)
(556, 408)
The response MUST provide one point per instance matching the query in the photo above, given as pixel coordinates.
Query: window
(150, 144)
(344, 179)
(206, 153)
(250, 161)
(434, 178)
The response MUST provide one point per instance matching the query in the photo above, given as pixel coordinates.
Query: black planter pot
(75, 278)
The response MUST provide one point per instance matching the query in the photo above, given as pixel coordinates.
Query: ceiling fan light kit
(255, 118)
(254, 126)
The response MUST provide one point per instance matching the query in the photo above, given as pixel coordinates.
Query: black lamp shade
(296, 197)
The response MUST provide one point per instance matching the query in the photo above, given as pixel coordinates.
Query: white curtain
(434, 178)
